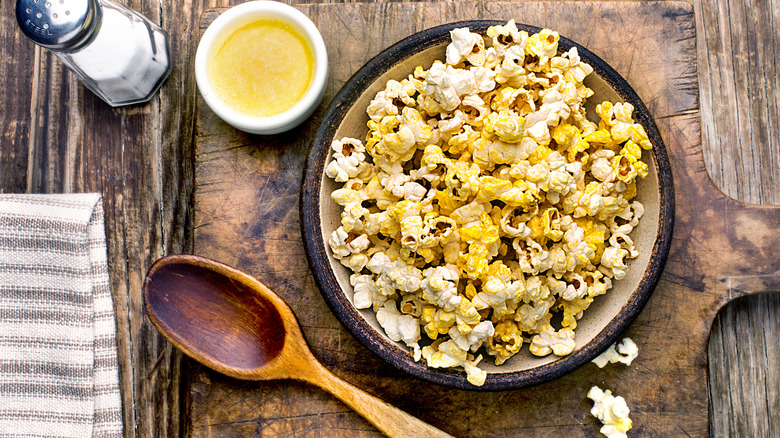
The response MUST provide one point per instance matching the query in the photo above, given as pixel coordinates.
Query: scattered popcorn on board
(624, 352)
(611, 411)
(483, 201)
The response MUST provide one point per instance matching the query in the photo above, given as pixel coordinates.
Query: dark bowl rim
(347, 314)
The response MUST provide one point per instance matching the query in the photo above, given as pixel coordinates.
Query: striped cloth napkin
(58, 352)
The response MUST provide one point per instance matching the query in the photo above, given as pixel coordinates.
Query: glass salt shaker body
(117, 53)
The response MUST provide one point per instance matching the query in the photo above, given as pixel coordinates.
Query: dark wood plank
(17, 64)
(740, 101)
(741, 97)
(140, 158)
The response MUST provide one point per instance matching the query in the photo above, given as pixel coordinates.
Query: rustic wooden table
(58, 137)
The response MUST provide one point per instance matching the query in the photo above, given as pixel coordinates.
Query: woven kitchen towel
(58, 352)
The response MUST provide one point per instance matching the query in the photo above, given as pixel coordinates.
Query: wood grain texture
(61, 138)
(243, 212)
(740, 100)
(17, 59)
(740, 82)
(52, 140)
(251, 334)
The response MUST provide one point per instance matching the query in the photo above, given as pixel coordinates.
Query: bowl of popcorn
(487, 205)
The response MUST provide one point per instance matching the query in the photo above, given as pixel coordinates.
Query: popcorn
(513, 223)
(507, 125)
(411, 304)
(366, 295)
(542, 46)
(574, 309)
(625, 352)
(573, 68)
(440, 287)
(483, 202)
(352, 216)
(560, 343)
(475, 110)
(625, 221)
(531, 317)
(349, 159)
(507, 37)
(500, 291)
(344, 243)
(531, 255)
(575, 288)
(446, 85)
(622, 240)
(438, 230)
(447, 354)
(436, 321)
(506, 341)
(617, 118)
(612, 263)
(611, 411)
(468, 319)
(400, 327)
(473, 339)
(465, 46)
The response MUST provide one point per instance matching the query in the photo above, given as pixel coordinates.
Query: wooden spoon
(234, 324)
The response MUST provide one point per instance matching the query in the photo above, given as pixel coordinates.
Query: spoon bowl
(217, 320)
(233, 324)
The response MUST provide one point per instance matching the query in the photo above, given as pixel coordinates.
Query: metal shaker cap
(58, 24)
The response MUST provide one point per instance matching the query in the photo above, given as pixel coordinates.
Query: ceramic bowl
(228, 22)
(602, 323)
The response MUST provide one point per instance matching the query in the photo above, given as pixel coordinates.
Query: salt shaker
(117, 53)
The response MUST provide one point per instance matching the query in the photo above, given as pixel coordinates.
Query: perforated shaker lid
(58, 24)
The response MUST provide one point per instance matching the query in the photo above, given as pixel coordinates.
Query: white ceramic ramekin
(238, 16)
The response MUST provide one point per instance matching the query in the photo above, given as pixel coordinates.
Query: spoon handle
(392, 421)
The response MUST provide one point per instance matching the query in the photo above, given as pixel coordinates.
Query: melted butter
(263, 68)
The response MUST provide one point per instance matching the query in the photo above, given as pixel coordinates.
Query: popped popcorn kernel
(624, 352)
(612, 411)
(560, 342)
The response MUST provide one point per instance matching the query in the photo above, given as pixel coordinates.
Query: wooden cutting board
(246, 215)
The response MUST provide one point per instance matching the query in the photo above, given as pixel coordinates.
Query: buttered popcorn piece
(439, 287)
(612, 411)
(465, 46)
(483, 202)
(560, 342)
(400, 327)
(624, 352)
(384, 103)
(447, 354)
